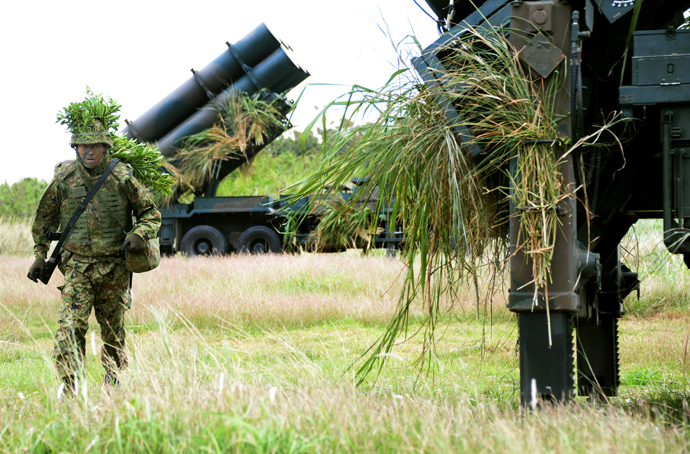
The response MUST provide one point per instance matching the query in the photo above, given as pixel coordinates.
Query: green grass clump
(342, 226)
(244, 121)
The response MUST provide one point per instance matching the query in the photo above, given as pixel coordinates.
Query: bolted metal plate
(540, 55)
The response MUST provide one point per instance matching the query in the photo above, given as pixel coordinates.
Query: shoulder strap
(80, 209)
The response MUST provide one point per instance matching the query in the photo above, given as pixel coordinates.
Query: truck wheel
(203, 240)
(258, 240)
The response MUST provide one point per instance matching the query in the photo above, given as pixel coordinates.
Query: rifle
(54, 259)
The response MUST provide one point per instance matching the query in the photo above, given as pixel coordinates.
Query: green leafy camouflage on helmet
(91, 120)
(93, 133)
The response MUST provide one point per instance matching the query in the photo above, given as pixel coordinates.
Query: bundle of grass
(511, 116)
(180, 189)
(342, 226)
(454, 213)
(244, 121)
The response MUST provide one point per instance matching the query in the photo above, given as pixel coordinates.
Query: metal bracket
(200, 81)
(541, 55)
(248, 70)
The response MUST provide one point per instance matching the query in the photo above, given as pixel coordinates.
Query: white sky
(139, 51)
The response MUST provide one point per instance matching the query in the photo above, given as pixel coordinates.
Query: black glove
(133, 243)
(36, 270)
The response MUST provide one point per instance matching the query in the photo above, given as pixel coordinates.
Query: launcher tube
(222, 72)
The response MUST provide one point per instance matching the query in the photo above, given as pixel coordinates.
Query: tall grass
(267, 371)
(186, 394)
(454, 212)
(15, 237)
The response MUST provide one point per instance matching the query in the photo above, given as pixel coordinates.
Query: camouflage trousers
(104, 287)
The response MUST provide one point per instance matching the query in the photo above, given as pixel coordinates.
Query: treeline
(19, 200)
(289, 143)
(282, 163)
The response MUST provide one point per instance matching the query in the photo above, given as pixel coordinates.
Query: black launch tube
(214, 77)
(277, 73)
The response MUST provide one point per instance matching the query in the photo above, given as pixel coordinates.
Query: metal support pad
(598, 357)
(550, 366)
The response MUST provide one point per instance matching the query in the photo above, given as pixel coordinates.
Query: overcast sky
(139, 51)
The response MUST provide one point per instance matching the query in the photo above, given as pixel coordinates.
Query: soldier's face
(91, 154)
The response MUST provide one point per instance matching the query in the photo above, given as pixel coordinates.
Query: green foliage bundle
(251, 118)
(341, 225)
(511, 116)
(454, 214)
(245, 121)
(78, 116)
(146, 162)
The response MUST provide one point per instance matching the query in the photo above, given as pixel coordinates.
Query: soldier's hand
(133, 243)
(36, 270)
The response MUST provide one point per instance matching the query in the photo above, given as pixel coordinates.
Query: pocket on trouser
(65, 257)
(116, 287)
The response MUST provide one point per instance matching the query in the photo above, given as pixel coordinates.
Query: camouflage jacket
(107, 219)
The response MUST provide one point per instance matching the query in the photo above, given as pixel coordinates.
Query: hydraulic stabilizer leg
(546, 369)
(597, 356)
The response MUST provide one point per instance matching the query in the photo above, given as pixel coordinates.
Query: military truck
(623, 56)
(256, 64)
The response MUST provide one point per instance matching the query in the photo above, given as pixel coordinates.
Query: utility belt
(119, 258)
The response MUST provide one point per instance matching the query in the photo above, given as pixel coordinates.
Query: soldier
(92, 258)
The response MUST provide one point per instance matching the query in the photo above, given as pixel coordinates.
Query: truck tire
(203, 240)
(258, 240)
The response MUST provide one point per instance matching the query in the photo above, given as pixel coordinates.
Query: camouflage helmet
(94, 132)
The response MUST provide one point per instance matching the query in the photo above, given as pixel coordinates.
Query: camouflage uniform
(92, 260)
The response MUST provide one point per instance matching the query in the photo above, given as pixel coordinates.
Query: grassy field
(253, 354)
